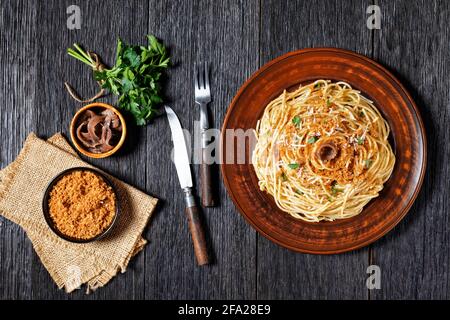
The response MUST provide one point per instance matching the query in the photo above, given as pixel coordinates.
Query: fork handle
(206, 181)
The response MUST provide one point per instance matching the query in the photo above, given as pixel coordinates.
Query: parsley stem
(79, 57)
(83, 53)
(135, 77)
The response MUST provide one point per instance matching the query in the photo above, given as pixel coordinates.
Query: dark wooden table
(236, 37)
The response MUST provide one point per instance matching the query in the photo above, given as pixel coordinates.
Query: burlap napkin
(22, 185)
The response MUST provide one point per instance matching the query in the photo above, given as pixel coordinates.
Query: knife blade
(180, 152)
(182, 165)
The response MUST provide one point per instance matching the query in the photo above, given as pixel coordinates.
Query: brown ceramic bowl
(46, 210)
(79, 145)
(407, 139)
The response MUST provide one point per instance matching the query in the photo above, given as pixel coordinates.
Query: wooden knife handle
(198, 235)
(206, 182)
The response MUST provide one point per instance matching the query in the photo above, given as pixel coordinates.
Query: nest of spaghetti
(322, 151)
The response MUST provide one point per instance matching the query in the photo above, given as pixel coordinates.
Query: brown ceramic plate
(407, 139)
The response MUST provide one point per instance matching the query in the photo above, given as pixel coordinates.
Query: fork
(202, 98)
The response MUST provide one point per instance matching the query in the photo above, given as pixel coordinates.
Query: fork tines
(202, 89)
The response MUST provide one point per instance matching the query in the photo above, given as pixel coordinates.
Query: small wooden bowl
(80, 147)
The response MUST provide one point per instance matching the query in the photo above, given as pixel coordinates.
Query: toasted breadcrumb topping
(82, 205)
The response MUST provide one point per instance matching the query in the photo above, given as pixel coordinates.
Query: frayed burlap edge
(94, 278)
(100, 277)
(8, 173)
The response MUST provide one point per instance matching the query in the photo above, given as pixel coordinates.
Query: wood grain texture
(197, 235)
(223, 34)
(102, 22)
(236, 37)
(17, 96)
(288, 26)
(206, 183)
(414, 258)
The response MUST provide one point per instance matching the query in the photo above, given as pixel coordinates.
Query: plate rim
(418, 117)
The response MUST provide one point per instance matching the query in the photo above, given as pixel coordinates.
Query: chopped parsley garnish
(297, 191)
(296, 121)
(360, 140)
(334, 190)
(328, 102)
(317, 85)
(312, 139)
(293, 165)
(367, 163)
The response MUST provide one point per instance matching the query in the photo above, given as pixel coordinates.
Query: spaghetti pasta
(322, 151)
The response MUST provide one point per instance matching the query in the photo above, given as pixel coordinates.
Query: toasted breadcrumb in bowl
(80, 205)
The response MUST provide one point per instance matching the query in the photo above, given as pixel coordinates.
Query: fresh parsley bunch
(135, 77)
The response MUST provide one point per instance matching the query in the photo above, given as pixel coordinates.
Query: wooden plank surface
(414, 257)
(102, 22)
(236, 37)
(288, 26)
(17, 78)
(223, 34)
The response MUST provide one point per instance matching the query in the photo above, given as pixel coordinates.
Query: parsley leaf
(293, 165)
(312, 139)
(367, 163)
(360, 140)
(296, 121)
(135, 77)
(334, 190)
(131, 57)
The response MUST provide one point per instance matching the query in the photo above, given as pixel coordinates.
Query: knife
(182, 165)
